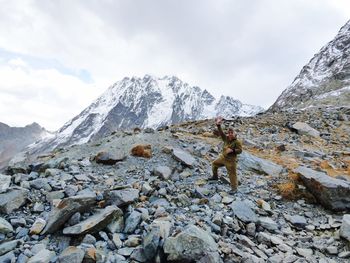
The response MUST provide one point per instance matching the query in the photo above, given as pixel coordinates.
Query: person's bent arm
(221, 133)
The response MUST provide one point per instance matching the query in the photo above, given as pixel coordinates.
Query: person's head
(231, 135)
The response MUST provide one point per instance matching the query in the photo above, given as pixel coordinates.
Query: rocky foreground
(143, 196)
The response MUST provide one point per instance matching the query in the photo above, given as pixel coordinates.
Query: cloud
(45, 96)
(231, 47)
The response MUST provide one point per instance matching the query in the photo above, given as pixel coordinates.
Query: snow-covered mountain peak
(325, 80)
(145, 102)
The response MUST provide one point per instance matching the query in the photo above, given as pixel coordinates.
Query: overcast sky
(56, 57)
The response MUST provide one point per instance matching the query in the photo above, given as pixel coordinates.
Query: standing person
(228, 157)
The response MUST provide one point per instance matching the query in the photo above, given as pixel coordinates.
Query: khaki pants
(231, 165)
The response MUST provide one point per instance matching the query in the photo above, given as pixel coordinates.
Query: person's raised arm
(218, 122)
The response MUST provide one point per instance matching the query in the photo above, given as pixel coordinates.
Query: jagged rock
(109, 158)
(65, 209)
(163, 172)
(249, 162)
(183, 157)
(13, 199)
(243, 212)
(138, 255)
(132, 222)
(71, 255)
(192, 244)
(151, 242)
(8, 246)
(122, 197)
(330, 192)
(9, 257)
(43, 256)
(94, 223)
(38, 226)
(305, 129)
(5, 227)
(345, 227)
(40, 183)
(304, 252)
(5, 182)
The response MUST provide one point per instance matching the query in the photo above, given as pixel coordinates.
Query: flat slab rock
(96, 222)
(108, 158)
(184, 157)
(250, 162)
(65, 209)
(305, 129)
(330, 192)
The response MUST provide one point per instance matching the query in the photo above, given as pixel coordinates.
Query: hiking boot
(232, 191)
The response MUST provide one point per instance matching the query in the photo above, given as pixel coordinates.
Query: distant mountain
(144, 102)
(325, 80)
(15, 139)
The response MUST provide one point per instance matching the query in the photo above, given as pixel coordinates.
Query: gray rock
(305, 129)
(40, 183)
(163, 172)
(65, 209)
(94, 223)
(5, 181)
(8, 258)
(126, 251)
(108, 158)
(304, 252)
(330, 192)
(268, 223)
(116, 226)
(297, 220)
(138, 255)
(243, 212)
(71, 255)
(132, 221)
(122, 197)
(8, 246)
(5, 227)
(249, 162)
(345, 227)
(190, 245)
(183, 157)
(13, 199)
(89, 239)
(332, 250)
(151, 243)
(54, 195)
(82, 177)
(44, 256)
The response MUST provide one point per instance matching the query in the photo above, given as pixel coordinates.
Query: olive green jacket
(234, 144)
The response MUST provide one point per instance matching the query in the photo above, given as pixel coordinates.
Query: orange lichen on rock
(142, 150)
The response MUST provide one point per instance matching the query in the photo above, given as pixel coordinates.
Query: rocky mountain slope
(15, 139)
(144, 102)
(325, 80)
(102, 202)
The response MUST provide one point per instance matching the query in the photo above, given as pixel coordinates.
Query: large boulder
(108, 158)
(304, 129)
(13, 199)
(193, 244)
(94, 223)
(250, 162)
(65, 209)
(183, 157)
(330, 192)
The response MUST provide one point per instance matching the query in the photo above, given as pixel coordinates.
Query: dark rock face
(324, 80)
(332, 193)
(15, 139)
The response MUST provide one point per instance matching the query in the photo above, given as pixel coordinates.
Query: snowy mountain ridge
(144, 102)
(325, 80)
